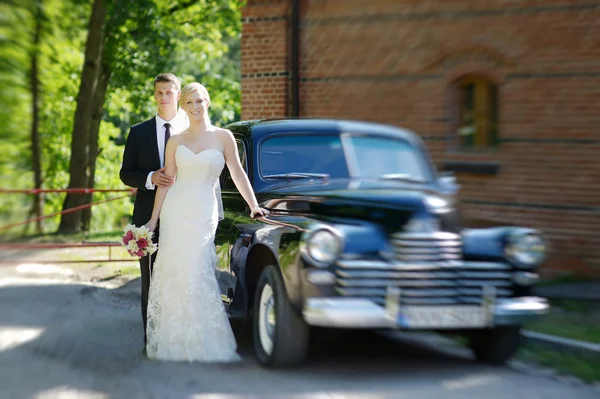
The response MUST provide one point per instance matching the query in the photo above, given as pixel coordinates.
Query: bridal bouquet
(138, 241)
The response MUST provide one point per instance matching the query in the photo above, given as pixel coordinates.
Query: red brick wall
(265, 59)
(395, 61)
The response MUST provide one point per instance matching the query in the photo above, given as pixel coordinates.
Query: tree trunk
(79, 169)
(38, 201)
(97, 113)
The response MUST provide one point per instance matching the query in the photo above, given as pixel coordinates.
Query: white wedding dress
(186, 317)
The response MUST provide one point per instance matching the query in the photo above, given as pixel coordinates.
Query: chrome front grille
(428, 269)
(414, 247)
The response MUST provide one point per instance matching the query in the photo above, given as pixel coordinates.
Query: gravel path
(64, 338)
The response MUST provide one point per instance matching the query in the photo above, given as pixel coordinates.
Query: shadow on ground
(61, 338)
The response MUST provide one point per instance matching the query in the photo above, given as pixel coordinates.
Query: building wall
(396, 61)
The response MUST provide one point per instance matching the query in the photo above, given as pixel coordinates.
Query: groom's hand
(160, 179)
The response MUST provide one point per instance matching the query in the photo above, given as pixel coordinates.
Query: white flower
(143, 232)
(152, 247)
(132, 246)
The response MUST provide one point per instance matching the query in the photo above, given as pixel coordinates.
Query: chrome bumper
(362, 313)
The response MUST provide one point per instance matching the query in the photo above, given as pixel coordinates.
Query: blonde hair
(189, 89)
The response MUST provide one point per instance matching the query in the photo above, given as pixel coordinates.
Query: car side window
(225, 179)
(303, 154)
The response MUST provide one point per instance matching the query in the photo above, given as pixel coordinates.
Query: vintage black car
(364, 234)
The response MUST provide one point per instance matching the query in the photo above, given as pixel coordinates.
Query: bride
(186, 318)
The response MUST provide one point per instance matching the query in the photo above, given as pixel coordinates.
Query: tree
(139, 40)
(79, 169)
(36, 157)
(22, 47)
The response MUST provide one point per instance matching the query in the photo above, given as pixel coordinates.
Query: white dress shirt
(178, 124)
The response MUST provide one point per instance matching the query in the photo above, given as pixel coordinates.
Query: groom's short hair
(167, 78)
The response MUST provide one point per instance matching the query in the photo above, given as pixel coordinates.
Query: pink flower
(127, 237)
(142, 243)
(140, 253)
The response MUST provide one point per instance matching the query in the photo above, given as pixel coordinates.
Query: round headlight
(526, 249)
(323, 246)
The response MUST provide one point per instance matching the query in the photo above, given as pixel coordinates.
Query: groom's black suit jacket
(140, 158)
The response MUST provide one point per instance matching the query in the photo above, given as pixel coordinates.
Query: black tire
(496, 345)
(290, 334)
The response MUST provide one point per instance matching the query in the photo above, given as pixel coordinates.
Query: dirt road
(63, 338)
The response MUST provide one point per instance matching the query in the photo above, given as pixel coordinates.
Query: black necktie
(167, 134)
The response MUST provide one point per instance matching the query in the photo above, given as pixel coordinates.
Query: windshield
(371, 156)
(342, 156)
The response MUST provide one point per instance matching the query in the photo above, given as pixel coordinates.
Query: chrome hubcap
(266, 319)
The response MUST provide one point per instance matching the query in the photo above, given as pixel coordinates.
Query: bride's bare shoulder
(177, 139)
(224, 135)
(221, 132)
(184, 133)
(182, 137)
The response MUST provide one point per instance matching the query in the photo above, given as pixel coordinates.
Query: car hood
(387, 202)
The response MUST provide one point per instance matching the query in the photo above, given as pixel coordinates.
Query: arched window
(477, 108)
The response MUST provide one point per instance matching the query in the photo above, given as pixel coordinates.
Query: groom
(143, 163)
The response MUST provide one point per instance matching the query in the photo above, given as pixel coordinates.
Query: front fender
(488, 243)
(277, 245)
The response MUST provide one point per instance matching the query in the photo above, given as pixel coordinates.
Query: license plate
(441, 317)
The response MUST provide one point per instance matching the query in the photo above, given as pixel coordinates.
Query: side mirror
(447, 182)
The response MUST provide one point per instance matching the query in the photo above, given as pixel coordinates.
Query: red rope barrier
(54, 262)
(16, 245)
(67, 190)
(77, 208)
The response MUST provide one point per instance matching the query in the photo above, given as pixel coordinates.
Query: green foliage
(196, 40)
(113, 214)
(14, 116)
(208, 51)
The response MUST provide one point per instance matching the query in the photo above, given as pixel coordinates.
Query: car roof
(260, 128)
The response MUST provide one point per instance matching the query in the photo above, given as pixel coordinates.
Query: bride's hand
(258, 211)
(151, 225)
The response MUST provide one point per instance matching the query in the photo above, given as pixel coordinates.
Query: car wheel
(496, 345)
(281, 336)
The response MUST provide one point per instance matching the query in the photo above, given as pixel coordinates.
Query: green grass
(573, 319)
(91, 261)
(105, 236)
(65, 238)
(567, 278)
(568, 318)
(586, 369)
